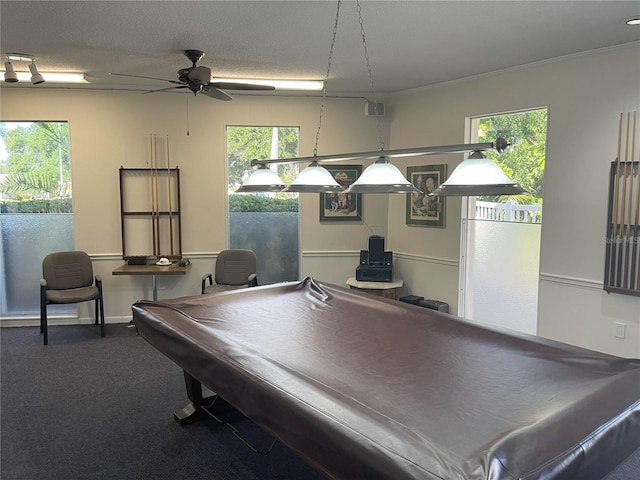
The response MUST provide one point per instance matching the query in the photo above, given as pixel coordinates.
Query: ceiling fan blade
(240, 86)
(200, 73)
(166, 89)
(212, 92)
(147, 78)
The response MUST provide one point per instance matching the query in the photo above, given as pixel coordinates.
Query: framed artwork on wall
(422, 209)
(342, 207)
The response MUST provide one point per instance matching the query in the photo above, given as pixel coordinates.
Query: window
(35, 209)
(500, 254)
(266, 223)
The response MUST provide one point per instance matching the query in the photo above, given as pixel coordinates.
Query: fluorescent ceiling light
(55, 77)
(633, 21)
(312, 85)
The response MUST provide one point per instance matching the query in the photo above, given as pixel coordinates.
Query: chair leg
(43, 314)
(43, 323)
(102, 327)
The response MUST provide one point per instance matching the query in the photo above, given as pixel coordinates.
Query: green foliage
(59, 205)
(37, 161)
(26, 183)
(257, 203)
(245, 144)
(524, 160)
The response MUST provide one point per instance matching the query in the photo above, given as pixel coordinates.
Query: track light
(36, 78)
(9, 73)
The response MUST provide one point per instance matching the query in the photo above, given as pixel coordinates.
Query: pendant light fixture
(382, 176)
(314, 179)
(263, 179)
(479, 175)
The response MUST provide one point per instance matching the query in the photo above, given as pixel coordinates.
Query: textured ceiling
(411, 44)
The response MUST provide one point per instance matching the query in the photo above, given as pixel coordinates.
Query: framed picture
(423, 209)
(342, 207)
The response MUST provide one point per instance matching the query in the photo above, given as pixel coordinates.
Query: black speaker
(364, 257)
(376, 250)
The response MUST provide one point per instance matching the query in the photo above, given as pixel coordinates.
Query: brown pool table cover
(364, 387)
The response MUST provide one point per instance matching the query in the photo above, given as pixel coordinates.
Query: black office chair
(68, 278)
(234, 269)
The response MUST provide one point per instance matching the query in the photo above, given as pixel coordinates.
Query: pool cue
(169, 195)
(635, 277)
(622, 280)
(627, 243)
(614, 222)
(153, 217)
(156, 219)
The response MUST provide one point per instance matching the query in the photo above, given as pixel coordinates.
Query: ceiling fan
(197, 78)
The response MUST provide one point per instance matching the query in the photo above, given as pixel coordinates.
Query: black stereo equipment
(138, 260)
(369, 273)
(376, 265)
(429, 303)
(435, 305)
(376, 250)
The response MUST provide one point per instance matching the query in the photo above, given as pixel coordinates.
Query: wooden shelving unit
(151, 221)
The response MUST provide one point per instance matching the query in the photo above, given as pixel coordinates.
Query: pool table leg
(194, 411)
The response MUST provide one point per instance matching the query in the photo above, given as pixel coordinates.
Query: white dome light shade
(314, 179)
(262, 180)
(478, 175)
(382, 177)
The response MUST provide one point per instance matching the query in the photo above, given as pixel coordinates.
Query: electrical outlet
(619, 329)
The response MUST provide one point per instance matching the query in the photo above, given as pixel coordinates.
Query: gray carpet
(87, 407)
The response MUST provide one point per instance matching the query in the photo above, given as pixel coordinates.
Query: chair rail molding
(571, 281)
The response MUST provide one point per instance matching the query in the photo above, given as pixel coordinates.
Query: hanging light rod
(380, 177)
(500, 144)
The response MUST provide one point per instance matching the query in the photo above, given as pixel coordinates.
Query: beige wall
(111, 129)
(585, 96)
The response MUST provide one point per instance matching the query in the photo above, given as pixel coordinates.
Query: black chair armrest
(204, 281)
(253, 280)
